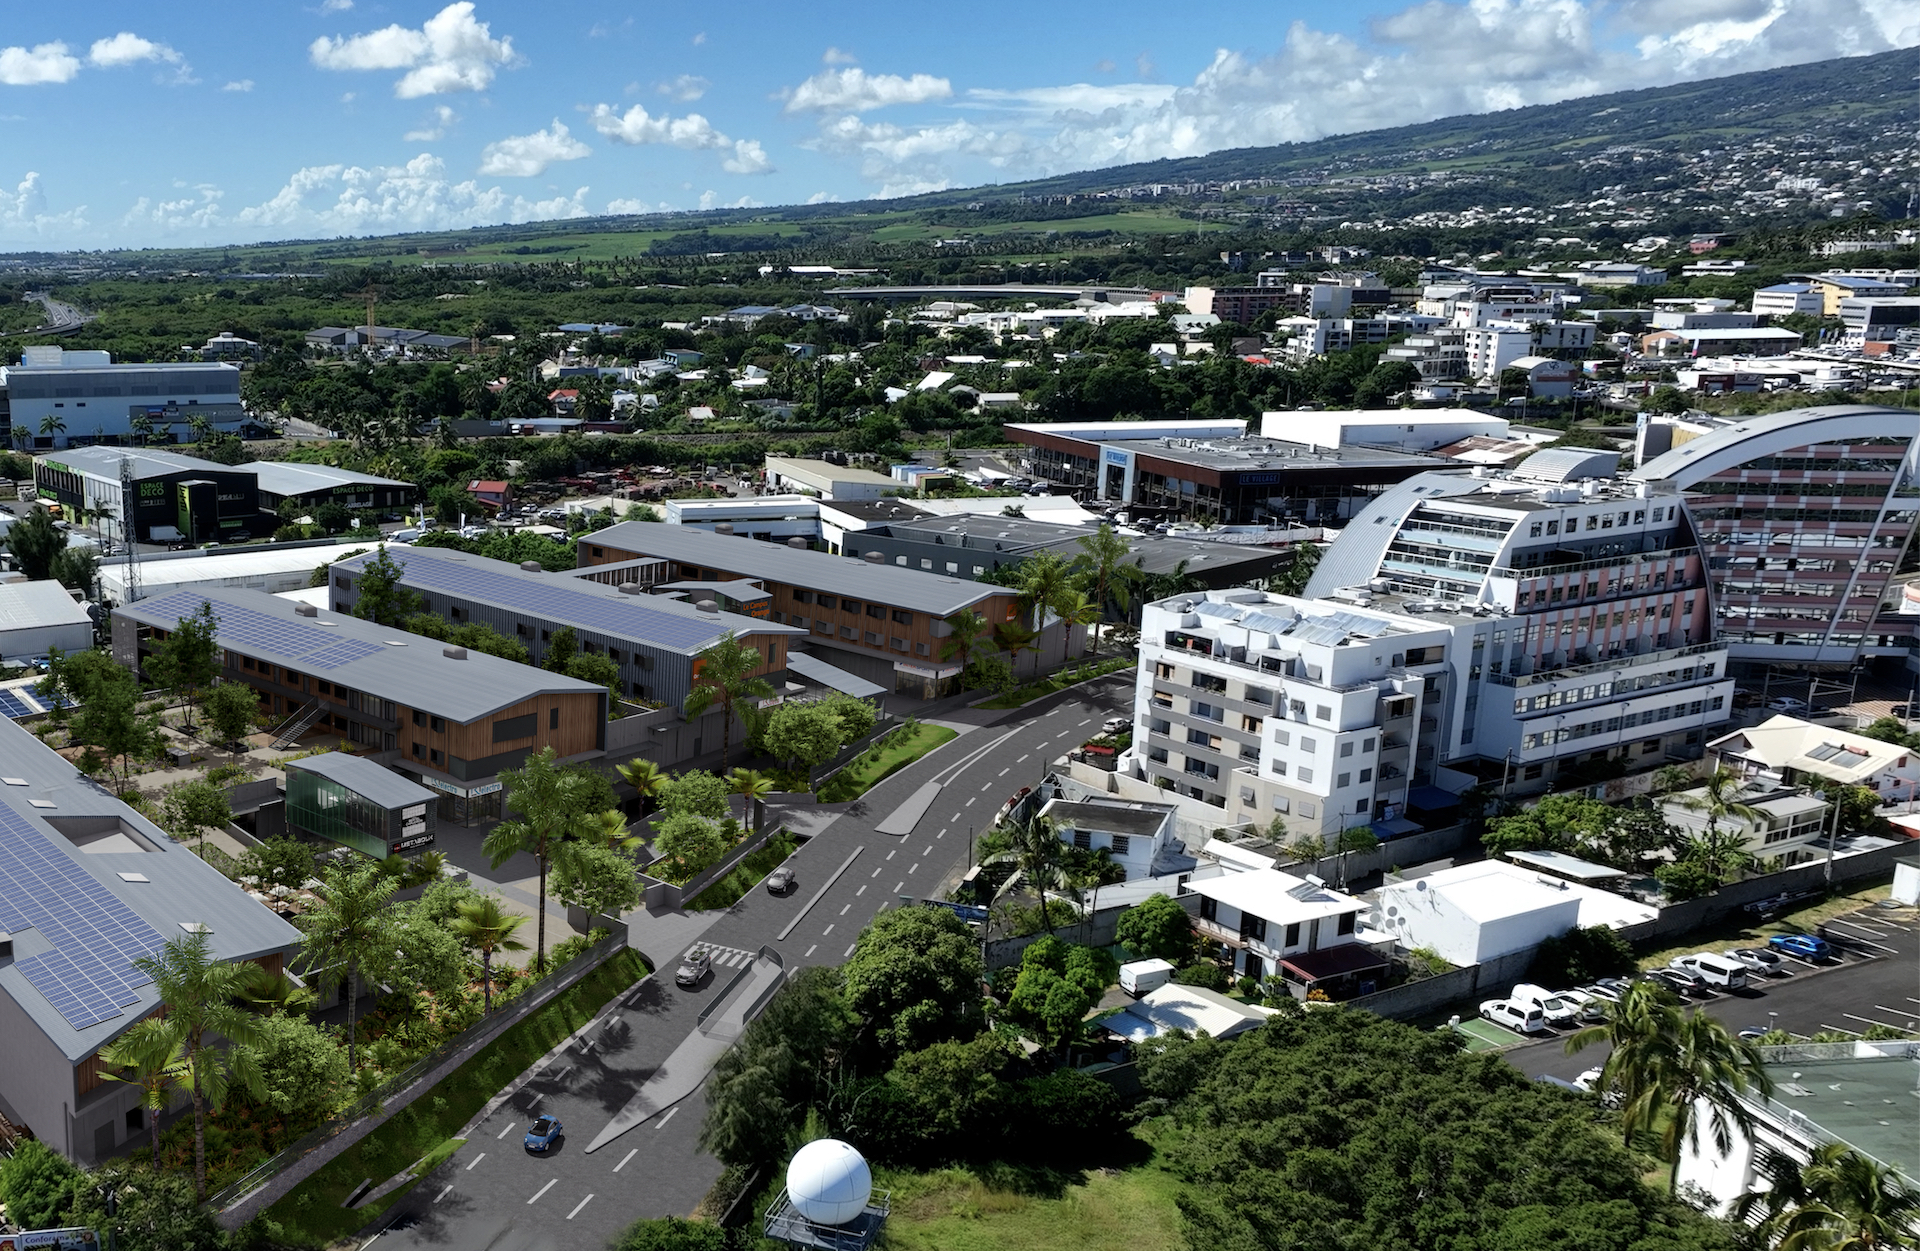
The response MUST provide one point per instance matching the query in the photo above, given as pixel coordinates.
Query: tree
(596, 879)
(232, 708)
(966, 633)
(108, 721)
(805, 734)
(1102, 566)
(555, 805)
(790, 1058)
(382, 598)
(1719, 799)
(52, 424)
(38, 1184)
(76, 568)
(857, 716)
(333, 517)
(147, 1056)
(1581, 955)
(723, 675)
(303, 1067)
(484, 927)
(153, 1211)
(753, 787)
(199, 993)
(1044, 577)
(1299, 571)
(1037, 850)
(1056, 988)
(1157, 928)
(190, 809)
(688, 842)
(1384, 382)
(562, 648)
(645, 777)
(1666, 399)
(1074, 609)
(1839, 1200)
(346, 930)
(34, 541)
(697, 792)
(914, 977)
(671, 1233)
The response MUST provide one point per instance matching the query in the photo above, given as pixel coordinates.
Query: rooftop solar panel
(310, 646)
(89, 976)
(12, 705)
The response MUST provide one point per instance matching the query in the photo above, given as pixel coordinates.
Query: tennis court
(1485, 1035)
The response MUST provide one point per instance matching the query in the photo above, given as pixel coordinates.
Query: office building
(82, 397)
(310, 486)
(1805, 516)
(654, 639)
(354, 802)
(1403, 429)
(448, 718)
(176, 498)
(87, 886)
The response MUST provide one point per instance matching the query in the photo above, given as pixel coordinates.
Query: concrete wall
(1694, 913)
(1408, 1000)
(1098, 931)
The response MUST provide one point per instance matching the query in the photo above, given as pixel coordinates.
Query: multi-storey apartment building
(1805, 517)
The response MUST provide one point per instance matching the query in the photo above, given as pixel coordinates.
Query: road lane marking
(875, 873)
(1023, 759)
(970, 801)
(845, 908)
(820, 894)
(443, 1192)
(507, 1129)
(662, 1122)
(623, 1159)
(1906, 1012)
(894, 852)
(1007, 770)
(899, 886)
(913, 868)
(476, 1160)
(849, 951)
(1088, 721)
(926, 849)
(858, 893)
(543, 1190)
(576, 1207)
(811, 950)
(958, 815)
(941, 834)
(827, 931)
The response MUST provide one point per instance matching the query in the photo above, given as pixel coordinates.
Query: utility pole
(128, 531)
(1833, 837)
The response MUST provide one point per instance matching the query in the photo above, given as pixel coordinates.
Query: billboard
(51, 1240)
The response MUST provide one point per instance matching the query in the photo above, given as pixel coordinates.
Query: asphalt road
(495, 1195)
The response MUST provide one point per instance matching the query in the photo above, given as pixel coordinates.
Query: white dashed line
(899, 886)
(811, 950)
(443, 1192)
(1023, 759)
(861, 891)
(542, 1190)
(893, 853)
(623, 1159)
(876, 873)
(941, 834)
(849, 951)
(1007, 770)
(914, 867)
(576, 1207)
(476, 1160)
(662, 1122)
(970, 801)
(845, 908)
(505, 1130)
(827, 931)
(926, 849)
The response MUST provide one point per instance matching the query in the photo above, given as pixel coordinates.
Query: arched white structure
(829, 1182)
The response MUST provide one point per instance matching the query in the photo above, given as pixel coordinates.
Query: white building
(1786, 298)
(83, 397)
(1785, 821)
(1790, 752)
(1478, 912)
(1491, 349)
(1408, 429)
(269, 569)
(36, 617)
(1276, 924)
(1139, 837)
(824, 480)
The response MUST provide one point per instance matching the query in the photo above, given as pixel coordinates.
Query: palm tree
(141, 427)
(1671, 777)
(1719, 798)
(1838, 1201)
(482, 926)
(147, 1056)
(348, 928)
(198, 992)
(555, 806)
(202, 427)
(1074, 609)
(1102, 564)
(1013, 637)
(51, 425)
(723, 675)
(646, 777)
(1043, 579)
(753, 787)
(966, 630)
(276, 994)
(609, 830)
(1036, 850)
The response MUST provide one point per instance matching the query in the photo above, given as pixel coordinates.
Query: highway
(494, 1194)
(62, 318)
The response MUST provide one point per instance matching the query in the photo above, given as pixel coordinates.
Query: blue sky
(125, 125)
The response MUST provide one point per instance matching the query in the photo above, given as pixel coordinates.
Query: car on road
(1803, 946)
(780, 881)
(1759, 960)
(1786, 703)
(1682, 982)
(1115, 725)
(1522, 1018)
(1753, 1033)
(694, 966)
(543, 1133)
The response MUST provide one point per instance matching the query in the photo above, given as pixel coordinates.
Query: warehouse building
(83, 397)
(272, 569)
(176, 498)
(310, 486)
(36, 617)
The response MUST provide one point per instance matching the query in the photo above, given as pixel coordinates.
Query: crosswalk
(723, 957)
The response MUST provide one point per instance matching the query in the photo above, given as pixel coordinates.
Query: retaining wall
(1693, 913)
(1489, 980)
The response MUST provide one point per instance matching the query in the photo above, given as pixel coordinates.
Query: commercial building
(1876, 319)
(82, 397)
(1834, 289)
(1473, 913)
(1231, 479)
(1403, 429)
(824, 480)
(36, 617)
(654, 639)
(354, 802)
(1722, 341)
(446, 717)
(270, 569)
(883, 622)
(1787, 298)
(175, 497)
(87, 886)
(392, 339)
(1805, 516)
(310, 486)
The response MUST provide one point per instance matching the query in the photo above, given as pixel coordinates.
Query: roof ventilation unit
(724, 527)
(706, 605)
(454, 653)
(797, 543)
(531, 566)
(305, 610)
(875, 558)
(630, 588)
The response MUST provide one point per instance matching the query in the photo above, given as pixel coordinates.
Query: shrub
(670, 1233)
(1580, 955)
(1157, 928)
(1205, 975)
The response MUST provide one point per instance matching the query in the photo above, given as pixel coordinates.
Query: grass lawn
(746, 875)
(961, 1209)
(311, 1211)
(1740, 930)
(1059, 682)
(897, 750)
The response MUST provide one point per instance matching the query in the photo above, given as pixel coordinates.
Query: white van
(1716, 970)
(1522, 1018)
(1556, 1010)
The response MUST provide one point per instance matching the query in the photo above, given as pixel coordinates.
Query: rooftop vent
(706, 605)
(875, 558)
(797, 543)
(531, 566)
(454, 653)
(305, 610)
(630, 588)
(724, 527)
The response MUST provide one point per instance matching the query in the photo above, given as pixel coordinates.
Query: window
(1253, 927)
(1360, 806)
(1309, 745)
(433, 756)
(1309, 811)
(1122, 843)
(1366, 775)
(872, 639)
(343, 584)
(1305, 774)
(1367, 747)
(553, 717)
(419, 718)
(1279, 768)
(826, 601)
(1282, 737)
(1346, 749)
(1083, 840)
(1209, 908)
(1293, 934)
(902, 616)
(1322, 713)
(1280, 803)
(1250, 724)
(1345, 780)
(418, 752)
(803, 597)
(877, 611)
(1346, 923)
(437, 725)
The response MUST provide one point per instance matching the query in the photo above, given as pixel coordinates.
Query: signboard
(418, 810)
(448, 787)
(51, 1240)
(1114, 456)
(488, 789)
(408, 844)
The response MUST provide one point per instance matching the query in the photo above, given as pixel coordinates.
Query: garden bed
(890, 755)
(746, 875)
(1058, 682)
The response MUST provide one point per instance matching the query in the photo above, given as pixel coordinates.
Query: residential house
(493, 494)
(1275, 924)
(1473, 913)
(1136, 836)
(1780, 821)
(1792, 752)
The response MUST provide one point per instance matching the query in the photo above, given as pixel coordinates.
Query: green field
(896, 751)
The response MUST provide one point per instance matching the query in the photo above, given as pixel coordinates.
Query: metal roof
(30, 605)
(364, 778)
(776, 562)
(1565, 464)
(1355, 556)
(286, 477)
(832, 676)
(1745, 438)
(147, 462)
(410, 669)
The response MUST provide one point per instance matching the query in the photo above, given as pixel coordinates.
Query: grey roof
(1355, 556)
(884, 584)
(287, 477)
(1565, 464)
(1720, 448)
(831, 675)
(875, 510)
(1258, 454)
(650, 620)
(733, 588)
(1154, 553)
(27, 605)
(147, 462)
(179, 886)
(364, 778)
(409, 669)
(1115, 818)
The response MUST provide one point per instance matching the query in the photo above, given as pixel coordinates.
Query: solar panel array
(312, 647)
(628, 616)
(20, 701)
(1336, 628)
(89, 976)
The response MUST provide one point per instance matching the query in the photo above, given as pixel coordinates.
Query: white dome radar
(829, 1182)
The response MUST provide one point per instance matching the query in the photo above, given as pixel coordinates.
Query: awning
(832, 676)
(1329, 962)
(1429, 798)
(1394, 827)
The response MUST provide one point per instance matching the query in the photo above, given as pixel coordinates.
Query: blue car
(1805, 946)
(543, 1133)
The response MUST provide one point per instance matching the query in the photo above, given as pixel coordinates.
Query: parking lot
(1870, 981)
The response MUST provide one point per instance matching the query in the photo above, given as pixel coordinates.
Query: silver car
(694, 966)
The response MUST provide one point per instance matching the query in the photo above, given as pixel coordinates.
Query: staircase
(299, 723)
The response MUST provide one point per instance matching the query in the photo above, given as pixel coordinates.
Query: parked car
(1753, 1033)
(1588, 1080)
(1601, 994)
(543, 1133)
(1682, 982)
(1759, 959)
(1618, 985)
(780, 881)
(1116, 725)
(695, 965)
(1902, 711)
(1521, 1018)
(1590, 1007)
(1722, 972)
(404, 536)
(1787, 703)
(1556, 1010)
(1804, 946)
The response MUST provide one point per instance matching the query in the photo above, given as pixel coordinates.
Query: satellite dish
(829, 1182)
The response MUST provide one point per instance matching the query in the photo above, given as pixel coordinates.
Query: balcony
(1599, 666)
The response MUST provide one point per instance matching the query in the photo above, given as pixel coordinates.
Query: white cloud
(350, 199)
(335, 6)
(444, 117)
(699, 38)
(450, 52)
(694, 132)
(43, 63)
(834, 56)
(637, 206)
(239, 84)
(711, 199)
(686, 87)
(24, 215)
(127, 48)
(856, 91)
(524, 156)
(823, 197)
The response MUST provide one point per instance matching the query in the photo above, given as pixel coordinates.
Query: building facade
(176, 498)
(73, 398)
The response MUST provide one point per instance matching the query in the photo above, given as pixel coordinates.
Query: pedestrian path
(723, 957)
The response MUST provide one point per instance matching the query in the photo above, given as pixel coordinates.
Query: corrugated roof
(1721, 448)
(363, 777)
(29, 605)
(286, 477)
(1355, 556)
(147, 462)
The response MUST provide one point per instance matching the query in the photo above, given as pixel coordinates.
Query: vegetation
(1839, 1200)
(723, 676)
(748, 874)
(888, 756)
(189, 657)
(1157, 928)
(348, 930)
(485, 928)
(382, 599)
(556, 805)
(1059, 681)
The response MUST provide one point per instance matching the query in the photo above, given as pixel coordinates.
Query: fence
(371, 1110)
(1095, 931)
(1410, 850)
(1491, 979)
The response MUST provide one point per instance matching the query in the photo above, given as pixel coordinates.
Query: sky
(162, 124)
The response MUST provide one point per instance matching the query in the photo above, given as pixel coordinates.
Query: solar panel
(88, 976)
(249, 631)
(12, 705)
(627, 616)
